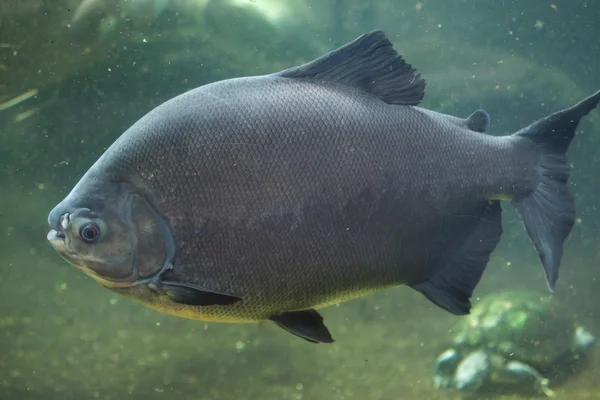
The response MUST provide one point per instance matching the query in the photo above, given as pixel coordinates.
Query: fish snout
(54, 218)
(58, 220)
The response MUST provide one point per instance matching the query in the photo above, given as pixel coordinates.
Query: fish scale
(269, 197)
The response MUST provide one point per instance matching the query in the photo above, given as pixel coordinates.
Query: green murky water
(72, 80)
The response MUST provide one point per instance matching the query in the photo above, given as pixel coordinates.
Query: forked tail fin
(549, 211)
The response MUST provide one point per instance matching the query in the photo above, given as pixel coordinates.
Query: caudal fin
(549, 212)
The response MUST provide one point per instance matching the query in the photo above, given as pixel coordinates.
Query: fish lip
(55, 236)
(58, 226)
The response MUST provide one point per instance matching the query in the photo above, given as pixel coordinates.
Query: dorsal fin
(479, 121)
(369, 63)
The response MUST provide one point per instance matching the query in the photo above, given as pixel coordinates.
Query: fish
(267, 198)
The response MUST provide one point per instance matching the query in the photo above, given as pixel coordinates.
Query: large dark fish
(267, 197)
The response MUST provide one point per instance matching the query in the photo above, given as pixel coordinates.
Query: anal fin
(192, 295)
(452, 287)
(307, 324)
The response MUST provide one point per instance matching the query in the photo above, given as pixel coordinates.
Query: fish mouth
(55, 237)
(58, 240)
(59, 225)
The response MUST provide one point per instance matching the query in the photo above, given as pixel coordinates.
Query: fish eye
(89, 232)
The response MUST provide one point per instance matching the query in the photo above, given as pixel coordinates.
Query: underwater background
(74, 75)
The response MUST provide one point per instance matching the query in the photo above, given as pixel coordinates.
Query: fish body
(289, 207)
(269, 197)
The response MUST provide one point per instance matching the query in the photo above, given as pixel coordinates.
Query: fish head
(111, 233)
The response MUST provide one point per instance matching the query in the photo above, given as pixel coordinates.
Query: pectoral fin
(307, 324)
(192, 295)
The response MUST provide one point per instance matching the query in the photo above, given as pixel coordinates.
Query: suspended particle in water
(538, 25)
